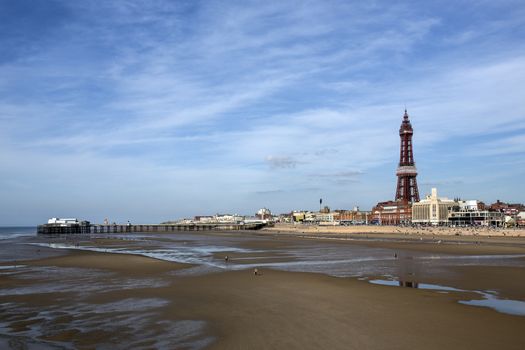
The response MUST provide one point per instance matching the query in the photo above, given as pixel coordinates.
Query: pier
(87, 228)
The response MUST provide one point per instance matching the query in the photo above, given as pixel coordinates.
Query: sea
(11, 232)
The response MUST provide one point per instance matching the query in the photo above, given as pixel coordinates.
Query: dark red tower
(406, 171)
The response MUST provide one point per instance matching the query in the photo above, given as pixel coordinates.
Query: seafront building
(470, 205)
(264, 214)
(507, 208)
(433, 210)
(303, 216)
(514, 212)
(391, 213)
(354, 216)
(520, 219)
(459, 217)
(327, 218)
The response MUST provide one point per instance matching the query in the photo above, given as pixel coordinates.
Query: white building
(204, 219)
(264, 214)
(469, 205)
(65, 221)
(476, 218)
(472, 213)
(432, 210)
(327, 218)
(521, 218)
(228, 218)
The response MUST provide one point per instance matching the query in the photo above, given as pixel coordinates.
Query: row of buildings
(327, 217)
(263, 215)
(430, 211)
(405, 209)
(435, 210)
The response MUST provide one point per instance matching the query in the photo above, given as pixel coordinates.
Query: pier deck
(122, 228)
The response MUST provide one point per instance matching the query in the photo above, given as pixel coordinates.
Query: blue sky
(155, 110)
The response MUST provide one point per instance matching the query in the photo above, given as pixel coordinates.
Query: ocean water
(17, 231)
(13, 243)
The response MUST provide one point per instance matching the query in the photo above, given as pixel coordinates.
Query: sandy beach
(106, 300)
(407, 232)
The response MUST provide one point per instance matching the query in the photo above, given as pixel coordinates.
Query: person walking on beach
(226, 258)
(255, 272)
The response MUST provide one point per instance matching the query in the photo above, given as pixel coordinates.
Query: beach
(102, 299)
(407, 232)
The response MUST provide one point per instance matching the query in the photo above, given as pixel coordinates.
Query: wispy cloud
(277, 162)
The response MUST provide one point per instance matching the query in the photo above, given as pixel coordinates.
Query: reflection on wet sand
(408, 284)
(407, 270)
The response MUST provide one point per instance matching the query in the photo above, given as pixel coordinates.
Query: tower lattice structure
(406, 171)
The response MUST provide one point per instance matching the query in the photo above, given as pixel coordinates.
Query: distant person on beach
(226, 258)
(255, 272)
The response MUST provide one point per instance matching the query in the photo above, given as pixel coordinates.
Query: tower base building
(391, 213)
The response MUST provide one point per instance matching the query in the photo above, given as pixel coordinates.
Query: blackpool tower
(407, 191)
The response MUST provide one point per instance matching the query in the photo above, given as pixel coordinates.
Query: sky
(155, 110)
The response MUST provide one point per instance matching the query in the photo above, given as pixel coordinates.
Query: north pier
(85, 227)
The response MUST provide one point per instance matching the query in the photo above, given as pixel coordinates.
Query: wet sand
(236, 309)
